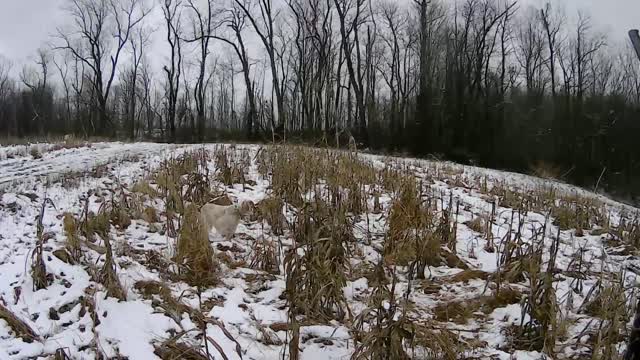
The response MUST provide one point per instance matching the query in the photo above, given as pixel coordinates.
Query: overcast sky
(26, 25)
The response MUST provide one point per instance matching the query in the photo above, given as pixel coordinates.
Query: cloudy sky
(26, 25)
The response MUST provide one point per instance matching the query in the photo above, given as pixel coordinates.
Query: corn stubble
(317, 202)
(194, 253)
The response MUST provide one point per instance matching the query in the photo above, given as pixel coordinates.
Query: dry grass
(477, 225)
(509, 198)
(271, 211)
(546, 170)
(51, 139)
(466, 275)
(230, 169)
(164, 300)
(389, 327)
(41, 279)
(100, 171)
(71, 179)
(411, 235)
(61, 354)
(197, 189)
(438, 343)
(571, 215)
(249, 211)
(71, 231)
(541, 331)
(172, 349)
(315, 279)
(150, 215)
(145, 188)
(461, 311)
(35, 153)
(108, 274)
(94, 224)
(609, 306)
(265, 256)
(417, 235)
(316, 266)
(317, 199)
(119, 215)
(455, 311)
(286, 171)
(170, 180)
(19, 327)
(194, 254)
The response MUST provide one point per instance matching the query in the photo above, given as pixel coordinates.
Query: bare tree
(350, 38)
(174, 69)
(393, 76)
(203, 28)
(235, 20)
(212, 68)
(36, 81)
(79, 83)
(100, 31)
(422, 6)
(300, 59)
(63, 71)
(318, 21)
(505, 45)
(5, 67)
(552, 25)
(138, 41)
(431, 21)
(603, 69)
(147, 108)
(630, 74)
(265, 28)
(586, 46)
(128, 92)
(6, 88)
(185, 116)
(530, 53)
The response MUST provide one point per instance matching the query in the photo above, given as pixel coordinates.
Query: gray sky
(616, 17)
(26, 25)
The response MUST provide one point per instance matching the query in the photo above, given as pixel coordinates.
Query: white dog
(224, 219)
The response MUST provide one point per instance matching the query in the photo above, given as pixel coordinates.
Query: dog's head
(234, 210)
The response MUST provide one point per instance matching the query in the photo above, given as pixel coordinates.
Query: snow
(247, 302)
(128, 328)
(231, 313)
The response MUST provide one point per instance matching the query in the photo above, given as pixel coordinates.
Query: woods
(487, 82)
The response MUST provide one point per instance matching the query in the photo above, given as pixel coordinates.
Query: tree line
(488, 82)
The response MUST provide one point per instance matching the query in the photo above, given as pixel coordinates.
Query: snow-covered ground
(247, 309)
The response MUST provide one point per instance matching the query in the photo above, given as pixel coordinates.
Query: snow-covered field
(246, 315)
